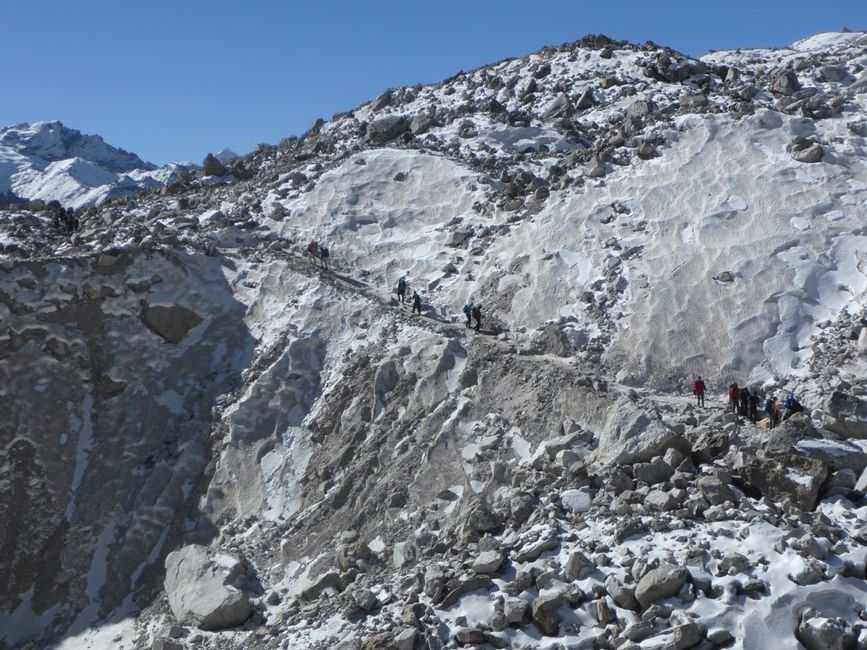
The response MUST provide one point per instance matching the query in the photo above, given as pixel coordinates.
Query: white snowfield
(215, 387)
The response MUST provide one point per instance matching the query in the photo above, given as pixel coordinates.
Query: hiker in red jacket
(734, 396)
(698, 389)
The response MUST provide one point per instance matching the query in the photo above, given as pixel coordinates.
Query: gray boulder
(785, 83)
(623, 595)
(559, 108)
(483, 519)
(488, 562)
(204, 588)
(578, 566)
(170, 323)
(659, 583)
(586, 100)
(715, 491)
(812, 154)
(846, 415)
(386, 129)
(213, 167)
(545, 613)
(833, 73)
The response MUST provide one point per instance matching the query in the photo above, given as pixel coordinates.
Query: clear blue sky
(174, 80)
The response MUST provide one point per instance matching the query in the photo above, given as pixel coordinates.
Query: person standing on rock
(323, 256)
(468, 312)
(698, 389)
(401, 289)
(416, 303)
(734, 394)
(477, 314)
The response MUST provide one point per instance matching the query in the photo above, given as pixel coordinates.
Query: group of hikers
(402, 287)
(64, 218)
(745, 403)
(473, 312)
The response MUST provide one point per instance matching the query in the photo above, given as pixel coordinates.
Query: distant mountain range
(49, 161)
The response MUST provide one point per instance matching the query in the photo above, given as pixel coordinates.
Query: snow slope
(48, 161)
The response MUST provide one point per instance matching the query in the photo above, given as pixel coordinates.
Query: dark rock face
(171, 323)
(213, 167)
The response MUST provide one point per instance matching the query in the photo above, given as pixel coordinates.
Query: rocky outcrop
(204, 589)
(846, 415)
(171, 323)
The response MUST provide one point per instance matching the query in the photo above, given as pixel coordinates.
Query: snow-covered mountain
(334, 470)
(48, 161)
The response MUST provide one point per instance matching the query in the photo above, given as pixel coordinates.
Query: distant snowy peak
(48, 161)
(225, 155)
(52, 142)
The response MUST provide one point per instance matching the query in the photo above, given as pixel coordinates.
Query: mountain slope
(626, 216)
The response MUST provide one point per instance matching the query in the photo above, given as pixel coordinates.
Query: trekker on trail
(744, 398)
(416, 302)
(468, 312)
(323, 256)
(313, 250)
(477, 314)
(734, 393)
(754, 406)
(771, 411)
(401, 288)
(698, 389)
(792, 406)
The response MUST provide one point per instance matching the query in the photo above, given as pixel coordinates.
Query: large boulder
(632, 435)
(213, 167)
(659, 583)
(171, 323)
(545, 613)
(559, 108)
(787, 478)
(785, 83)
(204, 589)
(846, 415)
(817, 632)
(386, 129)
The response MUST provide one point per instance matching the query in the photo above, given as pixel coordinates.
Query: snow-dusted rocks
(631, 435)
(205, 589)
(846, 415)
(818, 632)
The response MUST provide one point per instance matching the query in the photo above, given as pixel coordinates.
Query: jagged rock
(532, 550)
(545, 613)
(586, 100)
(405, 639)
(715, 491)
(578, 566)
(484, 519)
(469, 636)
(597, 168)
(488, 562)
(678, 637)
(653, 472)
(203, 589)
(623, 595)
(213, 167)
(785, 83)
(386, 129)
(515, 610)
(862, 342)
(787, 478)
(404, 554)
(660, 583)
(559, 108)
(846, 415)
(364, 598)
(171, 323)
(420, 124)
(646, 150)
(817, 632)
(660, 501)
